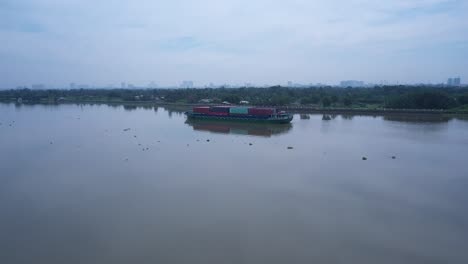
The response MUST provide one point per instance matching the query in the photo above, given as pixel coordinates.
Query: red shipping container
(261, 111)
(201, 109)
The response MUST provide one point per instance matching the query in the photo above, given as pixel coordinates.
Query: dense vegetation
(401, 97)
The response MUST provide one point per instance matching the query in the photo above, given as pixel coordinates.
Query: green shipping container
(239, 110)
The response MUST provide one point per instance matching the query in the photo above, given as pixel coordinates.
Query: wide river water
(112, 184)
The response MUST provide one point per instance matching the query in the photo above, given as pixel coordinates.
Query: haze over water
(103, 184)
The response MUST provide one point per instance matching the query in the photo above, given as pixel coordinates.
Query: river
(113, 184)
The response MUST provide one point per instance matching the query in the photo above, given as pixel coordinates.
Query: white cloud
(257, 41)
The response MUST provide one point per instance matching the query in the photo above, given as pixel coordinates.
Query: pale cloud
(258, 41)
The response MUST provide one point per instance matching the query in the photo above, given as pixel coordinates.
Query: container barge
(240, 114)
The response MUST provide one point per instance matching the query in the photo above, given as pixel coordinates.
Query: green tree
(334, 99)
(233, 99)
(463, 100)
(347, 101)
(310, 100)
(422, 100)
(280, 100)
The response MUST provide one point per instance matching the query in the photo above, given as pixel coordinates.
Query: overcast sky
(56, 42)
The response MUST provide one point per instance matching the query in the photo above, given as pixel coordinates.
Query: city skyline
(455, 81)
(260, 42)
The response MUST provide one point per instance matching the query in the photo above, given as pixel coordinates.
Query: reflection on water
(130, 107)
(135, 107)
(347, 117)
(238, 128)
(418, 118)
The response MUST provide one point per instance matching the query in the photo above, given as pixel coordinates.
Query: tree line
(401, 97)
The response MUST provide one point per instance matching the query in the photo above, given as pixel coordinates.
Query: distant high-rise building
(72, 85)
(352, 83)
(290, 84)
(450, 82)
(454, 81)
(37, 86)
(123, 85)
(187, 84)
(152, 85)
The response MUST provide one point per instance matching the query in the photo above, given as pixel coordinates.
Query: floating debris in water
(364, 158)
(250, 144)
(134, 136)
(51, 143)
(207, 140)
(290, 147)
(127, 129)
(393, 157)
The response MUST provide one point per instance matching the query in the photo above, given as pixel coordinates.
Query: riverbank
(377, 100)
(290, 108)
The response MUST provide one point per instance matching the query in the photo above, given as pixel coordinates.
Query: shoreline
(291, 109)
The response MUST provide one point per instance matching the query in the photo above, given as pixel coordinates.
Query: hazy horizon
(258, 42)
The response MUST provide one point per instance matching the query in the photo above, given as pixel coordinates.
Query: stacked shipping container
(261, 111)
(219, 109)
(235, 111)
(239, 110)
(201, 109)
